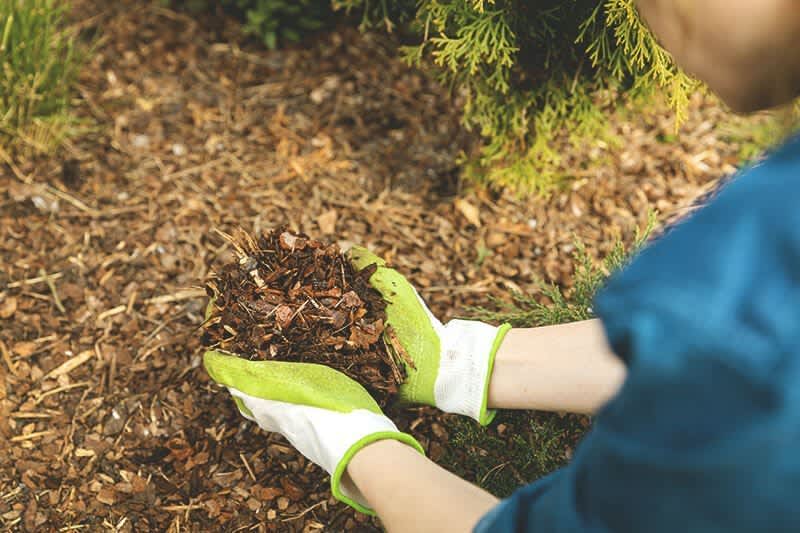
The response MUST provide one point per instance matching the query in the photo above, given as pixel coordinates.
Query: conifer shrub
(537, 76)
(534, 76)
(39, 63)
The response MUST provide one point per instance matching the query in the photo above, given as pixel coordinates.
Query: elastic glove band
(465, 368)
(341, 468)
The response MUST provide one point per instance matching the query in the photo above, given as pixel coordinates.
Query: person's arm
(412, 493)
(472, 368)
(568, 367)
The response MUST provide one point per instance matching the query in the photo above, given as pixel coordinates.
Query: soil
(107, 419)
(288, 297)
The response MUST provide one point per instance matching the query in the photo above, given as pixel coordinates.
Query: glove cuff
(348, 496)
(465, 368)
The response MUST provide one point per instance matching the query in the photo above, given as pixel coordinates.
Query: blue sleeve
(704, 435)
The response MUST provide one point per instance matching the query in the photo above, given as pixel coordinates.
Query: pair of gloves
(329, 417)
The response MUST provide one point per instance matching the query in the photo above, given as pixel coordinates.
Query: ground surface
(108, 420)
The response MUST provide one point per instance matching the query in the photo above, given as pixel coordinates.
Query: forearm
(411, 493)
(568, 367)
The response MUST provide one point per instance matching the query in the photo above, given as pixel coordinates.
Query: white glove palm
(324, 414)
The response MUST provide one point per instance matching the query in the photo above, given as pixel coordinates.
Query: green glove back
(452, 363)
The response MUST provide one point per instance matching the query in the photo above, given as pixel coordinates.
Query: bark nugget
(293, 298)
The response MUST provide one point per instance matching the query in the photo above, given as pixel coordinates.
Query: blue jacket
(704, 435)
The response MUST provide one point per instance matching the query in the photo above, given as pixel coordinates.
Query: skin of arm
(412, 493)
(568, 367)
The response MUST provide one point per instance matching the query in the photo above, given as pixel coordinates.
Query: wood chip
(327, 222)
(8, 307)
(470, 212)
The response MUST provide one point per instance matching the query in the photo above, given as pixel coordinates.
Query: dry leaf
(267, 494)
(107, 495)
(283, 316)
(469, 211)
(3, 391)
(291, 489)
(24, 349)
(327, 222)
(289, 241)
(351, 299)
(8, 307)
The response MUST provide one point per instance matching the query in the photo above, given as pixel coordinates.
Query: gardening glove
(450, 364)
(326, 415)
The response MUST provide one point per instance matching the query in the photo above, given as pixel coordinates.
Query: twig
(70, 364)
(247, 466)
(186, 294)
(395, 343)
(44, 395)
(14, 168)
(305, 512)
(31, 436)
(34, 281)
(111, 312)
(490, 472)
(454, 289)
(185, 507)
(47, 188)
(131, 302)
(27, 415)
(52, 285)
(72, 200)
(192, 170)
(7, 358)
(144, 355)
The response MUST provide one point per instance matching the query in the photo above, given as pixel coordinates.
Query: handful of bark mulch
(293, 298)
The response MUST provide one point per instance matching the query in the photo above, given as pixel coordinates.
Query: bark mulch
(107, 419)
(288, 297)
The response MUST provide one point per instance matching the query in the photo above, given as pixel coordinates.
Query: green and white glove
(327, 416)
(452, 363)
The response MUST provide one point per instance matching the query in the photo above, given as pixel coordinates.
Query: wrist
(385, 443)
(372, 462)
(375, 456)
(467, 358)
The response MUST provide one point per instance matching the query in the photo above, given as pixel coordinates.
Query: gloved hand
(452, 363)
(327, 416)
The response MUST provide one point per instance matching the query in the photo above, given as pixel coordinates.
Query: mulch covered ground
(108, 421)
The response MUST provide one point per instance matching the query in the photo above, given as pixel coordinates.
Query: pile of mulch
(108, 420)
(288, 297)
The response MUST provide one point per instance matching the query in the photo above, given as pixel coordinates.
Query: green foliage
(535, 77)
(280, 21)
(528, 310)
(274, 22)
(540, 75)
(40, 63)
(756, 133)
(539, 442)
